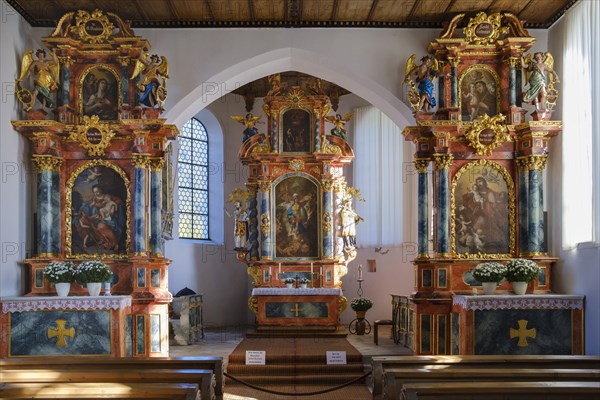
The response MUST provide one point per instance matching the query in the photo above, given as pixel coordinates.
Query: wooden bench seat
(501, 390)
(396, 379)
(213, 364)
(382, 363)
(104, 390)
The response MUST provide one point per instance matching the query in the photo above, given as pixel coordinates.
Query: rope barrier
(343, 385)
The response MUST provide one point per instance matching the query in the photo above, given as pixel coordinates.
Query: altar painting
(296, 219)
(100, 94)
(482, 196)
(296, 131)
(99, 216)
(478, 93)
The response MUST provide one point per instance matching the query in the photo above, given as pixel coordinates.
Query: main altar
(480, 161)
(295, 225)
(92, 99)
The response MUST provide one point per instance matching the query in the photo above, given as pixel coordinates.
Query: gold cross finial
(61, 332)
(296, 310)
(523, 333)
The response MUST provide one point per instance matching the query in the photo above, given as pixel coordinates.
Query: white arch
(289, 59)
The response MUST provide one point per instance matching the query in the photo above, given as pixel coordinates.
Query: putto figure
(153, 89)
(45, 81)
(540, 88)
(339, 122)
(248, 121)
(424, 74)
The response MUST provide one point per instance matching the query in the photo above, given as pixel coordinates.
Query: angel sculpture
(276, 85)
(154, 92)
(46, 76)
(425, 72)
(248, 121)
(540, 88)
(339, 122)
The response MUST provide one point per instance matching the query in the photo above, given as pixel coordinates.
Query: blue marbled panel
(541, 277)
(64, 87)
(141, 277)
(512, 85)
(441, 91)
(454, 88)
(39, 278)
(427, 277)
(124, 86)
(55, 242)
(29, 333)
(156, 212)
(328, 276)
(443, 223)
(553, 331)
(455, 332)
(441, 334)
(519, 88)
(265, 236)
(535, 234)
(523, 210)
(425, 333)
(155, 277)
(274, 135)
(422, 207)
(253, 225)
(328, 235)
(140, 334)
(317, 134)
(305, 310)
(155, 333)
(129, 335)
(139, 210)
(44, 211)
(442, 278)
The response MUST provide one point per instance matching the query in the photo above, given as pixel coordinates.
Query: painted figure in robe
(537, 82)
(46, 76)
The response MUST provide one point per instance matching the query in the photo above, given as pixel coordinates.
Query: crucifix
(523, 333)
(60, 332)
(296, 310)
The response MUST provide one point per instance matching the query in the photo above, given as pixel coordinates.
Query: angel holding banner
(339, 122)
(425, 72)
(539, 90)
(46, 76)
(154, 92)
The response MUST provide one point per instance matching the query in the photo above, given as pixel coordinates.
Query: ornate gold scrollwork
(44, 162)
(92, 28)
(296, 97)
(421, 164)
(532, 162)
(327, 222)
(484, 29)
(253, 305)
(316, 169)
(487, 133)
(256, 273)
(265, 224)
(261, 148)
(296, 165)
(93, 135)
(329, 148)
(327, 184)
(443, 161)
(342, 303)
(264, 186)
(139, 160)
(156, 163)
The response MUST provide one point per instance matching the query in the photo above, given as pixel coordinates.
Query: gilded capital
(443, 161)
(46, 162)
(454, 61)
(512, 62)
(140, 160)
(421, 164)
(532, 162)
(124, 61)
(327, 185)
(66, 61)
(252, 188)
(264, 185)
(156, 163)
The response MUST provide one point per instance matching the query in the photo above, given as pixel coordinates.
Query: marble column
(443, 163)
(421, 166)
(454, 80)
(536, 164)
(48, 205)
(265, 220)
(125, 82)
(65, 77)
(140, 163)
(340, 188)
(318, 133)
(512, 81)
(274, 134)
(441, 91)
(252, 220)
(523, 178)
(519, 84)
(156, 166)
(327, 223)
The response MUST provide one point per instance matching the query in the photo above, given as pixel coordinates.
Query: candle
(321, 270)
(270, 272)
(279, 268)
(360, 272)
(311, 271)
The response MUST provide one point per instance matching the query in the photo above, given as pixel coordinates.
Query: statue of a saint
(240, 230)
(349, 220)
(424, 74)
(339, 122)
(153, 90)
(248, 121)
(46, 76)
(537, 79)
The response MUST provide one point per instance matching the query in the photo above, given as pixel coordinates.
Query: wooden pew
(501, 390)
(382, 363)
(214, 364)
(397, 379)
(107, 390)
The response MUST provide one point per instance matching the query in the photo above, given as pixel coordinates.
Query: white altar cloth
(297, 292)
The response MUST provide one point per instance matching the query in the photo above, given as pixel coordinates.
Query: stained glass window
(192, 172)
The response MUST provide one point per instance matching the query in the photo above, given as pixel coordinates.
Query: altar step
(297, 332)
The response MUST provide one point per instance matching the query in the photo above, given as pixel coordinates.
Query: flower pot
(62, 288)
(94, 288)
(489, 287)
(303, 285)
(360, 314)
(519, 287)
(289, 285)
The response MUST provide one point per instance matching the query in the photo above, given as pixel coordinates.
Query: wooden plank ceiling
(293, 13)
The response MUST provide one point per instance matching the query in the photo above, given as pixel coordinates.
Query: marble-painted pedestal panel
(76, 325)
(510, 324)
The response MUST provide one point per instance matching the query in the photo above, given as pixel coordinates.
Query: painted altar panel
(296, 132)
(296, 218)
(99, 93)
(479, 92)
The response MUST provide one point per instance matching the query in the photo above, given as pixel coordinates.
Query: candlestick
(311, 271)
(279, 268)
(270, 273)
(360, 278)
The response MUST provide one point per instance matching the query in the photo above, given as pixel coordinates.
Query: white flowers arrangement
(489, 272)
(521, 270)
(93, 271)
(60, 272)
(361, 304)
(288, 281)
(304, 281)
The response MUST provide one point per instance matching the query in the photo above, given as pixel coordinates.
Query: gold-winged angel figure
(339, 122)
(248, 121)
(153, 89)
(45, 79)
(540, 88)
(424, 74)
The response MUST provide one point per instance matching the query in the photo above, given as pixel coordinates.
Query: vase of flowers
(303, 283)
(361, 305)
(520, 272)
(489, 274)
(93, 274)
(289, 282)
(61, 274)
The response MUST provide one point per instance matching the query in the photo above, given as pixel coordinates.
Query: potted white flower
(61, 274)
(520, 272)
(93, 274)
(489, 274)
(303, 283)
(289, 282)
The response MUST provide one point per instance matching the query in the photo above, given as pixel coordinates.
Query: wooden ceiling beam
(336, 5)
(141, 10)
(173, 9)
(525, 7)
(211, 15)
(251, 12)
(411, 14)
(372, 9)
(449, 7)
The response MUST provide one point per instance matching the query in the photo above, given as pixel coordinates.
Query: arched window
(192, 175)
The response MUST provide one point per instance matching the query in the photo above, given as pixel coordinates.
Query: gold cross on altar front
(61, 332)
(523, 333)
(296, 310)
